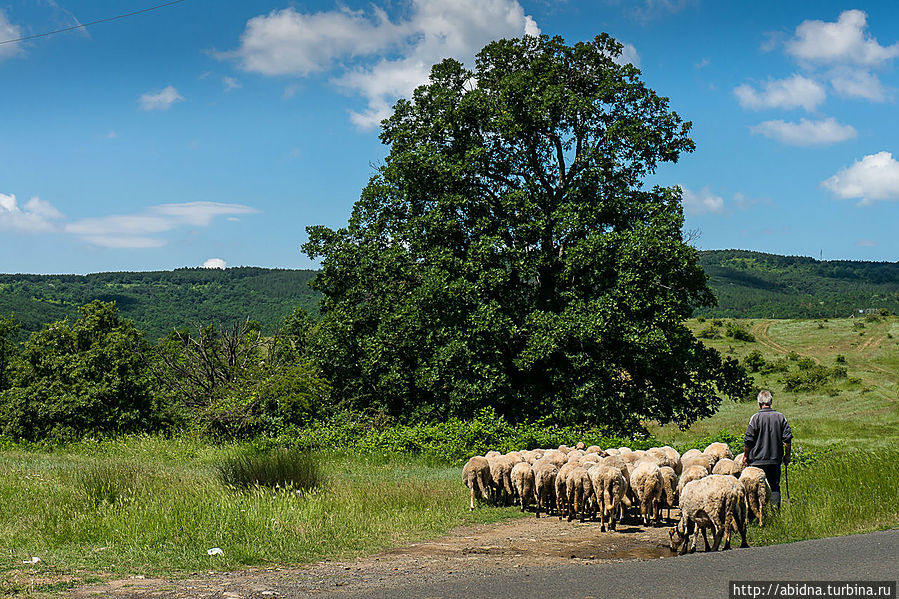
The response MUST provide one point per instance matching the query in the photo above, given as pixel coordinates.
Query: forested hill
(748, 285)
(162, 300)
(756, 285)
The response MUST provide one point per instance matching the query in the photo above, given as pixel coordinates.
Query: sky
(212, 134)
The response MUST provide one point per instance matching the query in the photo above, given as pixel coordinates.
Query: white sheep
(689, 454)
(668, 496)
(562, 489)
(476, 476)
(690, 474)
(718, 502)
(523, 483)
(646, 485)
(501, 478)
(609, 488)
(719, 451)
(703, 459)
(726, 466)
(580, 493)
(757, 490)
(545, 473)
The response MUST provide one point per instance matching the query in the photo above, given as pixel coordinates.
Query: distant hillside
(756, 285)
(748, 285)
(162, 300)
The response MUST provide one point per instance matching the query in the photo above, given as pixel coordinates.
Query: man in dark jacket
(768, 443)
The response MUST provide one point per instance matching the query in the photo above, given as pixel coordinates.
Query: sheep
(594, 449)
(689, 454)
(562, 489)
(646, 484)
(624, 450)
(690, 474)
(580, 492)
(492, 454)
(718, 502)
(674, 458)
(575, 455)
(631, 457)
(612, 451)
(609, 487)
(564, 448)
(663, 457)
(703, 459)
(581, 445)
(501, 478)
(523, 483)
(476, 476)
(589, 457)
(545, 474)
(515, 456)
(726, 466)
(556, 457)
(757, 490)
(532, 456)
(668, 496)
(719, 451)
(739, 460)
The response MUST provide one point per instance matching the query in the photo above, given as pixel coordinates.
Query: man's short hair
(764, 397)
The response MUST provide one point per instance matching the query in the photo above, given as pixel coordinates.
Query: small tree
(9, 332)
(84, 378)
(507, 254)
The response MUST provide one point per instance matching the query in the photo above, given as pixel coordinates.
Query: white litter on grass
(33, 560)
(215, 551)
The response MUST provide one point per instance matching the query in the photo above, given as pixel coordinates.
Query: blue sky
(215, 132)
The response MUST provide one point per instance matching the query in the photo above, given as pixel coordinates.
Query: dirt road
(515, 546)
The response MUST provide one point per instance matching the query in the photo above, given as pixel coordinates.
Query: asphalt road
(867, 557)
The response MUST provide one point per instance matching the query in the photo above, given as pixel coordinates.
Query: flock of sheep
(712, 488)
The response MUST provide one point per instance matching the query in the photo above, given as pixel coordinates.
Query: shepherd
(767, 443)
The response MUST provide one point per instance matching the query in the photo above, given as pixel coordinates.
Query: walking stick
(787, 481)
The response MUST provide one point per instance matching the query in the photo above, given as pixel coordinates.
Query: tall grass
(144, 505)
(278, 468)
(836, 495)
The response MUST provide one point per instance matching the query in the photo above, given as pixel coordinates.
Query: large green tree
(88, 377)
(508, 254)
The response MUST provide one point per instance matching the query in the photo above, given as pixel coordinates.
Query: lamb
(646, 484)
(718, 502)
(757, 491)
(580, 492)
(609, 487)
(690, 474)
(476, 476)
(668, 496)
(545, 474)
(719, 451)
(726, 466)
(522, 476)
(501, 478)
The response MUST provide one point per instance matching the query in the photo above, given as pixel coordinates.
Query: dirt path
(760, 332)
(522, 543)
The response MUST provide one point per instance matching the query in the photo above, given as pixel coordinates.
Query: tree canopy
(507, 254)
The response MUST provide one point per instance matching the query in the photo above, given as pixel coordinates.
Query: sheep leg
(471, 503)
(705, 538)
(718, 530)
(688, 532)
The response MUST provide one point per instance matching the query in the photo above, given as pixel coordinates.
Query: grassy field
(155, 506)
(857, 411)
(147, 506)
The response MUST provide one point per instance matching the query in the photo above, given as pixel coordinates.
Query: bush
(709, 332)
(738, 332)
(840, 359)
(279, 468)
(754, 361)
(780, 365)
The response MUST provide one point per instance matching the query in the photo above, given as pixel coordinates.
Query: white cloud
(874, 177)
(287, 42)
(806, 132)
(9, 31)
(704, 202)
(161, 100)
(858, 84)
(845, 41)
(796, 91)
(215, 263)
(230, 83)
(629, 55)
(38, 216)
(141, 230)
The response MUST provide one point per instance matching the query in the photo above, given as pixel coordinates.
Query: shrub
(279, 468)
(709, 332)
(754, 361)
(780, 365)
(805, 363)
(840, 359)
(793, 356)
(738, 332)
